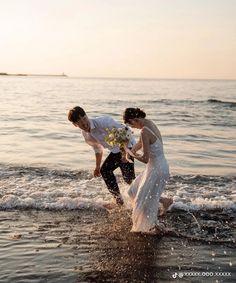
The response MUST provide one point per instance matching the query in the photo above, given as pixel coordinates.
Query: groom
(94, 132)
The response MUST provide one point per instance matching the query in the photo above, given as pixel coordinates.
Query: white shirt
(98, 132)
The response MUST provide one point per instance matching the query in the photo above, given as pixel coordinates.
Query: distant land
(35, 75)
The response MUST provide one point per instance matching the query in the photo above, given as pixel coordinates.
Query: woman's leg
(166, 203)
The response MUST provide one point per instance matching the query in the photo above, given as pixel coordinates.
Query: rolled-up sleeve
(98, 148)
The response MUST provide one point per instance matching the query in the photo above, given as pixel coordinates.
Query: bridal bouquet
(120, 137)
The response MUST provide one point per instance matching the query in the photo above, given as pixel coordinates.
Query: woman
(145, 191)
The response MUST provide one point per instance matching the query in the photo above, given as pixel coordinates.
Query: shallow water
(53, 225)
(76, 246)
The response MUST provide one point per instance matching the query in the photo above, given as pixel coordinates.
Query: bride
(145, 191)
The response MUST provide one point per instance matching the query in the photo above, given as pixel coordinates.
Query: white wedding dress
(146, 189)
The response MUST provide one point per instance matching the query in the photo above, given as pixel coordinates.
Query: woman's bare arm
(145, 144)
(137, 146)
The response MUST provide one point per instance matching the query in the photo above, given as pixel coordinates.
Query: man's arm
(98, 149)
(98, 156)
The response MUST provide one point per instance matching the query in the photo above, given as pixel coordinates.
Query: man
(94, 132)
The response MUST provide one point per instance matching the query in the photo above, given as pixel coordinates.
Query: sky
(119, 38)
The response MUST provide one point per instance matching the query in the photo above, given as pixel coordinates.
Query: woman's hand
(125, 157)
(130, 152)
(143, 158)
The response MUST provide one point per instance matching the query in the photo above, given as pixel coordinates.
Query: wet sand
(96, 246)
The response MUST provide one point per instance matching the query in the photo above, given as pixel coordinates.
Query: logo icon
(175, 275)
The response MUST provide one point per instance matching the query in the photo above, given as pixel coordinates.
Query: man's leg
(127, 170)
(111, 163)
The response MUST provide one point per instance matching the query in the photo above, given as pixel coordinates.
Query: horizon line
(147, 78)
(112, 78)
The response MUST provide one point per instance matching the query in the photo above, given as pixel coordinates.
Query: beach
(79, 246)
(58, 234)
(53, 223)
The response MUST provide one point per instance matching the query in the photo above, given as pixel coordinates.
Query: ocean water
(196, 118)
(41, 149)
(46, 180)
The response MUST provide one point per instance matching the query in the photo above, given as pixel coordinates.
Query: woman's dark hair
(132, 113)
(75, 114)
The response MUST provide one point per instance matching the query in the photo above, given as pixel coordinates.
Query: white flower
(118, 136)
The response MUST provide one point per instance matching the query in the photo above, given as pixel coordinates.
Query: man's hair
(75, 114)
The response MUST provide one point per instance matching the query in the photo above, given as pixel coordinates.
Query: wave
(226, 103)
(21, 170)
(8, 170)
(172, 101)
(41, 188)
(203, 209)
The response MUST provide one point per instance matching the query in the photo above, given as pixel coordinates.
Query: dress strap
(151, 131)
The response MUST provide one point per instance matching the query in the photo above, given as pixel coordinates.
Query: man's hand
(96, 172)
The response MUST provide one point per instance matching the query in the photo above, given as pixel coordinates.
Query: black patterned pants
(111, 163)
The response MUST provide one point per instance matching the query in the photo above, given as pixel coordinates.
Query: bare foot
(166, 203)
(161, 209)
(156, 230)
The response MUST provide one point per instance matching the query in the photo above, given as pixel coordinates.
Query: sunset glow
(125, 38)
